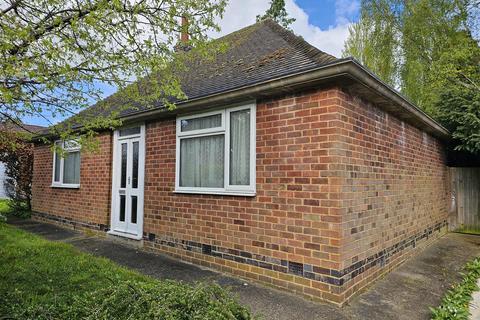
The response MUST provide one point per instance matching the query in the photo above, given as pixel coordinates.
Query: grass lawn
(41, 279)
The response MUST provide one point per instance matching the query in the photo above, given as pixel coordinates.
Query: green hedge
(40, 279)
(455, 303)
(4, 209)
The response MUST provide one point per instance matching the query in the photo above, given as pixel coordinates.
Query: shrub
(41, 279)
(168, 300)
(455, 303)
(4, 209)
(17, 155)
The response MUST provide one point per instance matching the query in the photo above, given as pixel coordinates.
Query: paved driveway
(406, 293)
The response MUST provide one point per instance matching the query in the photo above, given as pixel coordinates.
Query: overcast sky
(323, 23)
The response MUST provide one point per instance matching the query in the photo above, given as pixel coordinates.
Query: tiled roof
(257, 53)
(254, 54)
(12, 127)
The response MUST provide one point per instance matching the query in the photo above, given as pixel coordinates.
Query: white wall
(2, 178)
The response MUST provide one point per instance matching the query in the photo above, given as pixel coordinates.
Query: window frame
(224, 129)
(59, 183)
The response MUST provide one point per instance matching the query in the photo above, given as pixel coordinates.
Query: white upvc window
(66, 165)
(216, 152)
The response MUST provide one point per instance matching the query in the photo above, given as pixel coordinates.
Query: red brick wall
(90, 204)
(394, 180)
(294, 219)
(340, 185)
(344, 193)
(292, 216)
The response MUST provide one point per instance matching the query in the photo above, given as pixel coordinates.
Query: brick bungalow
(286, 166)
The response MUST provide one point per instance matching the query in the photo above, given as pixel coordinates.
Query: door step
(130, 241)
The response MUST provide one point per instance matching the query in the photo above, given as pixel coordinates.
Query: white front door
(128, 181)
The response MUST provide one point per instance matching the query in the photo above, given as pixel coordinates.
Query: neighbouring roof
(13, 127)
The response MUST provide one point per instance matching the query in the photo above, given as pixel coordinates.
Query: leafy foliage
(456, 301)
(426, 49)
(278, 13)
(57, 54)
(374, 42)
(47, 280)
(168, 300)
(458, 105)
(459, 110)
(17, 155)
(5, 209)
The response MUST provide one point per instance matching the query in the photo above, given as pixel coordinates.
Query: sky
(323, 23)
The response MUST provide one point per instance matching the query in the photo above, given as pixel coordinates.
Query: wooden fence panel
(466, 196)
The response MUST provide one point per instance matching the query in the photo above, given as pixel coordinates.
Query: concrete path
(406, 293)
(474, 308)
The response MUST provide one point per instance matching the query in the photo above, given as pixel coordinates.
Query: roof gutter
(345, 67)
(370, 80)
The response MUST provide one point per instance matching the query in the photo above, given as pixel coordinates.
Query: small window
(129, 131)
(200, 123)
(216, 152)
(66, 164)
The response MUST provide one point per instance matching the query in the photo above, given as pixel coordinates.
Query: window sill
(218, 193)
(66, 186)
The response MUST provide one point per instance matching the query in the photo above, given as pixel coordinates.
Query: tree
(278, 13)
(55, 54)
(374, 41)
(424, 48)
(458, 106)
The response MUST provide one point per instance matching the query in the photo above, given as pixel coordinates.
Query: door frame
(116, 158)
